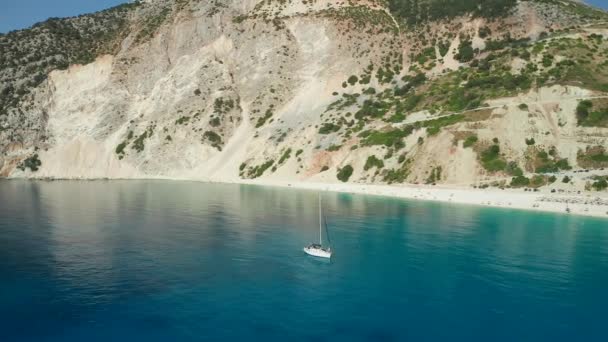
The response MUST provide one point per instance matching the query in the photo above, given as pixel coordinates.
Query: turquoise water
(180, 261)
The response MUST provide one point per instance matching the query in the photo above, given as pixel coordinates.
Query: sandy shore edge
(584, 203)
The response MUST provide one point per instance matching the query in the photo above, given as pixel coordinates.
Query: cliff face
(307, 90)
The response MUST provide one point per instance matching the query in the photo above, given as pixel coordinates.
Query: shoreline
(585, 204)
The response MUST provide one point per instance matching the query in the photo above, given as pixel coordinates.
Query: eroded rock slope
(320, 90)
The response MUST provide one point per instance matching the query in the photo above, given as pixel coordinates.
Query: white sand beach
(572, 202)
(567, 202)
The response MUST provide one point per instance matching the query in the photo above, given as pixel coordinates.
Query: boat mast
(320, 223)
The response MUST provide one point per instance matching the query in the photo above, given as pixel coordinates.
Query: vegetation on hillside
(414, 12)
(593, 157)
(345, 173)
(33, 163)
(27, 56)
(440, 92)
(418, 11)
(588, 116)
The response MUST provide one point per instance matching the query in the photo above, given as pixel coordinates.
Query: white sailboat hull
(317, 252)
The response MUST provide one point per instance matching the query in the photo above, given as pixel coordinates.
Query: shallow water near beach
(185, 261)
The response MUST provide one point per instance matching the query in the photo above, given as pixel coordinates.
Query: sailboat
(318, 250)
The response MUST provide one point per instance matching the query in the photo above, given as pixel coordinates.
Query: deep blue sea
(182, 261)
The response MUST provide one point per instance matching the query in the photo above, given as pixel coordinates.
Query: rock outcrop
(299, 90)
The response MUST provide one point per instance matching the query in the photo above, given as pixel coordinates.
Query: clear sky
(18, 14)
(599, 3)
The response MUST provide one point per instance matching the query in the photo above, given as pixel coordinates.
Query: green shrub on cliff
(32, 163)
(345, 173)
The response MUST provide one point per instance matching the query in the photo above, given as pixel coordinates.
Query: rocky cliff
(485, 93)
